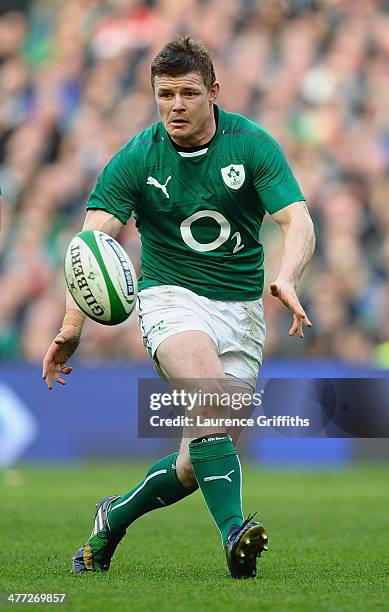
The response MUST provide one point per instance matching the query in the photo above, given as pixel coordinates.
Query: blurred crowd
(75, 86)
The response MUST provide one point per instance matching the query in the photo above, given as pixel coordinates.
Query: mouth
(178, 122)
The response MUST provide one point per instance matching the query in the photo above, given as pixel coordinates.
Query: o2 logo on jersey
(225, 231)
(234, 175)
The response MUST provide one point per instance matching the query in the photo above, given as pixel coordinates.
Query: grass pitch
(328, 543)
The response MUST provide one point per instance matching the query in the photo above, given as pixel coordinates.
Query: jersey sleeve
(274, 181)
(115, 190)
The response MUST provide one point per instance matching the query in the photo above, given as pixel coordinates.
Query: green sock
(218, 472)
(159, 488)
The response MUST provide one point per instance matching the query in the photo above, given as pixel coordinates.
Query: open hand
(59, 351)
(286, 293)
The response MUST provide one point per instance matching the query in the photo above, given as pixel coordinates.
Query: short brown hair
(181, 55)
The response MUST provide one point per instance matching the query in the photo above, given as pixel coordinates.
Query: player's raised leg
(114, 514)
(208, 452)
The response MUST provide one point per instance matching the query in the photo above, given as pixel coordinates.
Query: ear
(214, 92)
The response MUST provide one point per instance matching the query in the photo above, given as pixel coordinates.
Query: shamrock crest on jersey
(234, 175)
(153, 181)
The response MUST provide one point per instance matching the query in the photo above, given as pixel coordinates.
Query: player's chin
(179, 129)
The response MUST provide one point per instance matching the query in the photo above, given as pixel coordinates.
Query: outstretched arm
(68, 337)
(298, 248)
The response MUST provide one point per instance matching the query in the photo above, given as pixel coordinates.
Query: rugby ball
(100, 277)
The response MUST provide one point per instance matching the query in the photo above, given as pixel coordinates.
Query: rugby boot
(96, 554)
(245, 544)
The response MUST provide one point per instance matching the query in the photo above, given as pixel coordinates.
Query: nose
(178, 105)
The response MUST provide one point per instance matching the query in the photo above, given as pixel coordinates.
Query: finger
(303, 318)
(52, 372)
(300, 332)
(49, 380)
(296, 307)
(47, 363)
(296, 327)
(59, 379)
(48, 368)
(65, 370)
(49, 358)
(293, 329)
(45, 369)
(299, 311)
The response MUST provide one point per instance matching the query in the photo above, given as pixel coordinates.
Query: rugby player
(198, 183)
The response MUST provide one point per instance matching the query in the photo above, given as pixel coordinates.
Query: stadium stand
(74, 87)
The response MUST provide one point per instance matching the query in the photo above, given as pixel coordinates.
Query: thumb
(274, 289)
(60, 339)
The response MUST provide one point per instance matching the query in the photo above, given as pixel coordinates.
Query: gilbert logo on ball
(100, 277)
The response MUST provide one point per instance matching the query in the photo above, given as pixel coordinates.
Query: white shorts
(236, 328)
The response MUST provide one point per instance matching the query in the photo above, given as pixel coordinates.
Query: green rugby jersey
(199, 216)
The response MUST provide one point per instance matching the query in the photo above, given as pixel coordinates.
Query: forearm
(298, 248)
(103, 221)
(70, 303)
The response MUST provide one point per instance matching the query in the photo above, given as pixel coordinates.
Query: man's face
(185, 107)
